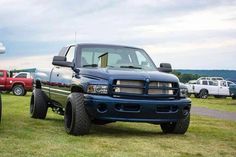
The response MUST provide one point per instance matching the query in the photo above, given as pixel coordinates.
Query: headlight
(97, 89)
(183, 92)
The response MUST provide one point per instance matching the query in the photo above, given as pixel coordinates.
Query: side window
(70, 54)
(23, 75)
(204, 82)
(223, 83)
(211, 83)
(1, 74)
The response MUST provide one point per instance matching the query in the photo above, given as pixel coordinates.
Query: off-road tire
(18, 90)
(179, 127)
(0, 108)
(203, 94)
(38, 104)
(76, 118)
(196, 95)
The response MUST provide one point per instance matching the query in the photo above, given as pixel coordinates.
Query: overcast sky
(189, 34)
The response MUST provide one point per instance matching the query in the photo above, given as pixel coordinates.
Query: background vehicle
(232, 89)
(93, 83)
(210, 78)
(2, 50)
(204, 88)
(19, 86)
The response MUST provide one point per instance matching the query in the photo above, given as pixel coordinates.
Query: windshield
(116, 57)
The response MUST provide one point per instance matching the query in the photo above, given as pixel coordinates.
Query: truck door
(223, 89)
(61, 79)
(2, 80)
(213, 88)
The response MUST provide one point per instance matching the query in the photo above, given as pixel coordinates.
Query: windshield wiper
(130, 66)
(90, 65)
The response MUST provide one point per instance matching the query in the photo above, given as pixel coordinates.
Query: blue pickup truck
(100, 84)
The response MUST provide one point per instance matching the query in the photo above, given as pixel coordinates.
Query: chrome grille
(140, 88)
(160, 88)
(127, 86)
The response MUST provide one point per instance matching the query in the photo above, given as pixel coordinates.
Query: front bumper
(135, 110)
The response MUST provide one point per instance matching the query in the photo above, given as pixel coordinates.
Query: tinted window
(223, 83)
(70, 54)
(1, 74)
(23, 75)
(117, 57)
(204, 82)
(213, 83)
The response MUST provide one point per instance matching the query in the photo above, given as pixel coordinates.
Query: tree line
(186, 77)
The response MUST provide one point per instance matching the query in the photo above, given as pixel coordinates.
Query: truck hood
(127, 74)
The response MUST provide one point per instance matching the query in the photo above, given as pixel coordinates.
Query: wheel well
(15, 84)
(204, 90)
(38, 84)
(77, 89)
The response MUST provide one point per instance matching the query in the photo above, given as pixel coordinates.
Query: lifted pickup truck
(95, 83)
(19, 86)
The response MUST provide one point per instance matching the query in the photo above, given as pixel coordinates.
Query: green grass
(22, 136)
(216, 103)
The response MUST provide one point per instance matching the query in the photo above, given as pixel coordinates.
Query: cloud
(162, 27)
(42, 61)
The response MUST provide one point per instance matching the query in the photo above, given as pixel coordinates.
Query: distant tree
(185, 77)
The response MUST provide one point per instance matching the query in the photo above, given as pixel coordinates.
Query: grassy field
(23, 136)
(219, 104)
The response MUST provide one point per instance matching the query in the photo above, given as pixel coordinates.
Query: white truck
(204, 88)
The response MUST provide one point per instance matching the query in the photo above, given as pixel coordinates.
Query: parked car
(232, 89)
(2, 50)
(94, 83)
(204, 88)
(19, 86)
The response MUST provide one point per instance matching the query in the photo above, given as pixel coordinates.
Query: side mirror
(61, 61)
(165, 67)
(2, 48)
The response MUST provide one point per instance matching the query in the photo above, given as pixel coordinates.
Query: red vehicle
(19, 86)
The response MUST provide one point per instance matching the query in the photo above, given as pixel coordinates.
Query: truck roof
(109, 45)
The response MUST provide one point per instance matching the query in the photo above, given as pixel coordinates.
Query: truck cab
(99, 84)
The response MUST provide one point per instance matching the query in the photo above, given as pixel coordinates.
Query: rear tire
(196, 95)
(18, 90)
(179, 127)
(38, 104)
(76, 119)
(203, 94)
